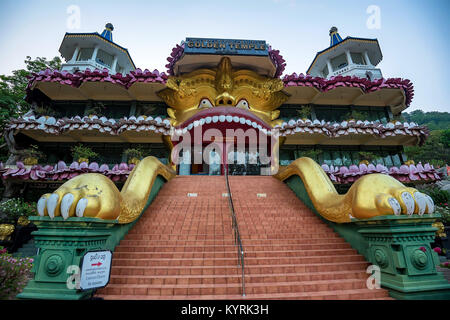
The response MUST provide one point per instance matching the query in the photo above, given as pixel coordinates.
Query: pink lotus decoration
(366, 85)
(352, 127)
(61, 171)
(59, 126)
(78, 78)
(405, 173)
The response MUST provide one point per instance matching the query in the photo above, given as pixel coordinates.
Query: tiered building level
(340, 112)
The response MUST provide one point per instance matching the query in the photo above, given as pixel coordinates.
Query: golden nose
(225, 99)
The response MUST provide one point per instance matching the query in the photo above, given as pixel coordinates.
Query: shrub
(305, 112)
(81, 151)
(134, 153)
(14, 274)
(14, 208)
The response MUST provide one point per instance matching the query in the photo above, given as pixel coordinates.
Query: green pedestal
(401, 247)
(62, 244)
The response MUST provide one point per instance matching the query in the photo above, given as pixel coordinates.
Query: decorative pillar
(94, 54)
(401, 247)
(366, 57)
(62, 245)
(349, 57)
(75, 54)
(114, 65)
(330, 69)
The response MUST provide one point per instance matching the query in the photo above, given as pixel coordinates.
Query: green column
(62, 244)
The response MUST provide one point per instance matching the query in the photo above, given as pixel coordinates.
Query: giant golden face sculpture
(241, 92)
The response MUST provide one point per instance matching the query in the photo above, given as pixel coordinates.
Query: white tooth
(202, 121)
(409, 202)
(52, 201)
(81, 206)
(229, 118)
(189, 127)
(41, 206)
(208, 120)
(66, 202)
(236, 119)
(185, 130)
(421, 202)
(248, 122)
(215, 119)
(259, 127)
(196, 123)
(395, 206)
(242, 120)
(222, 118)
(264, 130)
(254, 125)
(178, 132)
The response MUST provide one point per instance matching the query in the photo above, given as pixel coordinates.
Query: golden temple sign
(226, 46)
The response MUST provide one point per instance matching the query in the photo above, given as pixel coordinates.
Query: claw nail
(409, 202)
(41, 206)
(430, 204)
(52, 201)
(395, 206)
(66, 202)
(81, 206)
(421, 202)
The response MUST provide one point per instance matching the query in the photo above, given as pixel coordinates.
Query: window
(104, 58)
(357, 58)
(339, 62)
(85, 54)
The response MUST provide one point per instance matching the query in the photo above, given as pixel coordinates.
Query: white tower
(349, 57)
(95, 51)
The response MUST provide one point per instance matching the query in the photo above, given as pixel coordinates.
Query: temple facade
(341, 112)
(176, 175)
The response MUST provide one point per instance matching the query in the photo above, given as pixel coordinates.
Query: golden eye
(243, 104)
(205, 103)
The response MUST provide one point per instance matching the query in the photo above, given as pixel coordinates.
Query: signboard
(226, 46)
(95, 269)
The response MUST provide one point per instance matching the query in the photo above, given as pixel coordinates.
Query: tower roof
(335, 38)
(104, 40)
(107, 33)
(339, 45)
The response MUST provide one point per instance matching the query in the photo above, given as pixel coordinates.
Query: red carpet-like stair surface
(183, 247)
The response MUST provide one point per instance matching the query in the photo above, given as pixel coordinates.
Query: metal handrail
(237, 236)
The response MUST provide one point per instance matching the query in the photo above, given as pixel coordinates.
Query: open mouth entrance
(222, 137)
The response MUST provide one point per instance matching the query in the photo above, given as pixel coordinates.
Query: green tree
(14, 85)
(13, 90)
(434, 120)
(433, 151)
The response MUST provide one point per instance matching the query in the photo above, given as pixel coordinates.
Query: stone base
(399, 245)
(62, 245)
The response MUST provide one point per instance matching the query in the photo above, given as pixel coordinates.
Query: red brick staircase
(183, 247)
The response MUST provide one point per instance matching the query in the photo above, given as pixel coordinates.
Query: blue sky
(413, 35)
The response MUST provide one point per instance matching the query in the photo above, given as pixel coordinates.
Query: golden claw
(371, 195)
(94, 195)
